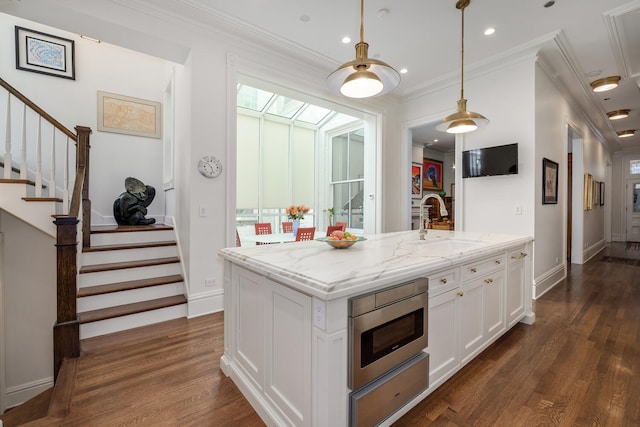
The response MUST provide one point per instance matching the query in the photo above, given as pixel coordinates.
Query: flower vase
(296, 225)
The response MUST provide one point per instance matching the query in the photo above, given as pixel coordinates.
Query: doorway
(633, 211)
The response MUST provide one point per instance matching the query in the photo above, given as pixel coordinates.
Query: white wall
(28, 283)
(554, 115)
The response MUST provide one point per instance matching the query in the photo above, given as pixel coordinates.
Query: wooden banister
(13, 91)
(66, 331)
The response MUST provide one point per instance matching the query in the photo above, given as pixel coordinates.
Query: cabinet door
(493, 300)
(472, 325)
(444, 358)
(248, 334)
(515, 292)
(287, 365)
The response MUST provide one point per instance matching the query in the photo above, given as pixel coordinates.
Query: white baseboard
(17, 395)
(206, 303)
(618, 238)
(593, 250)
(548, 280)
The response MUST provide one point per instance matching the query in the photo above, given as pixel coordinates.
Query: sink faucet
(443, 211)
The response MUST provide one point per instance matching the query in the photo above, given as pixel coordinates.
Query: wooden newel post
(66, 331)
(83, 157)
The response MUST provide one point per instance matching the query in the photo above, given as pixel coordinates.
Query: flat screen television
(490, 161)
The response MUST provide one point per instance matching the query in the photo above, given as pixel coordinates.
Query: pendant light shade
(363, 77)
(462, 121)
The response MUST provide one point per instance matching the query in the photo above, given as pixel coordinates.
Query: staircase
(130, 276)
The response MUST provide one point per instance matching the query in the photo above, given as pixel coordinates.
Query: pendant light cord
(462, 56)
(361, 21)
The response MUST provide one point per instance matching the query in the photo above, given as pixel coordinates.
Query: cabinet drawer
(517, 255)
(444, 281)
(478, 268)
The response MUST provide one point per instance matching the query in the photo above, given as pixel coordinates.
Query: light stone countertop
(315, 268)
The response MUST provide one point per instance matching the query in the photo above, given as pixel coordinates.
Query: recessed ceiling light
(305, 18)
(403, 71)
(618, 114)
(626, 133)
(489, 31)
(605, 84)
(435, 140)
(346, 40)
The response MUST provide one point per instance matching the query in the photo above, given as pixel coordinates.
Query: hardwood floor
(578, 365)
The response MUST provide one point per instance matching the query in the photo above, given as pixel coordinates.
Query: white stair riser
(117, 324)
(113, 299)
(127, 274)
(38, 214)
(100, 239)
(106, 257)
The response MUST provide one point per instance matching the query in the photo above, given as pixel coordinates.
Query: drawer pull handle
(473, 269)
(522, 255)
(443, 280)
(498, 262)
(489, 280)
(460, 293)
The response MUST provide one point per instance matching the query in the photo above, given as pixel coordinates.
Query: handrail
(15, 92)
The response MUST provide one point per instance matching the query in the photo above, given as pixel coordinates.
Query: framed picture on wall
(431, 174)
(44, 53)
(602, 194)
(588, 192)
(416, 178)
(549, 182)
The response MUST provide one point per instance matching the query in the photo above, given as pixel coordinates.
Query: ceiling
(581, 40)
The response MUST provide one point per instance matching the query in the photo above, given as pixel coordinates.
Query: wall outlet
(319, 313)
(557, 260)
(209, 283)
(517, 210)
(203, 210)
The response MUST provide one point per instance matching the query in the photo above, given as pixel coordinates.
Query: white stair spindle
(52, 168)
(23, 148)
(65, 180)
(39, 159)
(7, 152)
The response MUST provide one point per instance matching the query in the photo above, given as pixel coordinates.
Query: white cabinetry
(273, 345)
(516, 274)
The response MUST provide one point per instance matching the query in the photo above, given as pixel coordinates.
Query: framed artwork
(128, 115)
(431, 174)
(44, 53)
(588, 192)
(549, 182)
(596, 193)
(453, 190)
(416, 178)
(602, 194)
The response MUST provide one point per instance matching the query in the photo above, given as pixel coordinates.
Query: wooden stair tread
(129, 246)
(128, 264)
(128, 285)
(42, 199)
(127, 309)
(97, 229)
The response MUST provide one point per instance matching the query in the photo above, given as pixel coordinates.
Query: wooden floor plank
(577, 365)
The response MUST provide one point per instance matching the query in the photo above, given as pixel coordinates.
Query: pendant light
(363, 77)
(462, 120)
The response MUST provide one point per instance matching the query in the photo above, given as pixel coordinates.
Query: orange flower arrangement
(297, 212)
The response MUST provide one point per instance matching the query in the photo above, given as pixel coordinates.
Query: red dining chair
(332, 228)
(238, 239)
(342, 224)
(263, 228)
(287, 226)
(305, 234)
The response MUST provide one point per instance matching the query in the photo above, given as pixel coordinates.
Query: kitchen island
(286, 313)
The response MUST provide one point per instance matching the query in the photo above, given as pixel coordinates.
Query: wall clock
(209, 167)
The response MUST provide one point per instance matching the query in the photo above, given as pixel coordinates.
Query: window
(347, 177)
(634, 167)
(277, 160)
